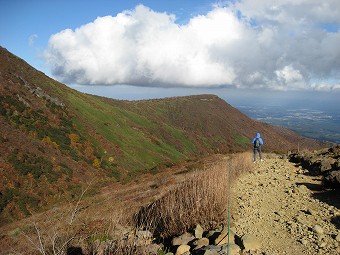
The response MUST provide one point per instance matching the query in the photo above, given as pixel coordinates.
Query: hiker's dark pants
(257, 149)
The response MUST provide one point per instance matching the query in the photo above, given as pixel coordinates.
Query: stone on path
(183, 239)
(182, 249)
(199, 231)
(304, 241)
(233, 249)
(210, 252)
(337, 237)
(311, 212)
(317, 229)
(199, 243)
(250, 243)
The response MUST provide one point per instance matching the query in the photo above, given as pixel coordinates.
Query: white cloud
(295, 12)
(336, 87)
(250, 43)
(290, 77)
(326, 87)
(32, 39)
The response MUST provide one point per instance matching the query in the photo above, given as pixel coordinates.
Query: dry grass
(202, 198)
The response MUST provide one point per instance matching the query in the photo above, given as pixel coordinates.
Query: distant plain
(310, 122)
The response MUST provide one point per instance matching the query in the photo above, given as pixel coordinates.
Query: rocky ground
(286, 210)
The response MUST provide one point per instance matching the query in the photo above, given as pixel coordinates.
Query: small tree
(96, 163)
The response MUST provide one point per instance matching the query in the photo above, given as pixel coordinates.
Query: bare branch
(76, 208)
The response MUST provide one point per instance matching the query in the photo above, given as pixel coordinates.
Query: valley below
(320, 124)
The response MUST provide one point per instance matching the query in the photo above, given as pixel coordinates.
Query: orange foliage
(48, 140)
(96, 163)
(88, 150)
(74, 140)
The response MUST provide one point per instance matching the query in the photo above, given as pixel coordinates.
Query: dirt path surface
(286, 210)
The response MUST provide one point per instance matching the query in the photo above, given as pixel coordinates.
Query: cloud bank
(253, 43)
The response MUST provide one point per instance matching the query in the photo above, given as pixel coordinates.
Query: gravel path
(286, 210)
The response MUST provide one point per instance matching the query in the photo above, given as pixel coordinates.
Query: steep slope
(55, 140)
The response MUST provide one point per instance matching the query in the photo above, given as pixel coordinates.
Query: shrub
(25, 200)
(30, 163)
(5, 198)
(96, 163)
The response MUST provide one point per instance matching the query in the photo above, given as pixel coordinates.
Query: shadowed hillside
(54, 140)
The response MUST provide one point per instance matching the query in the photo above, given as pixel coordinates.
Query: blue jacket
(258, 136)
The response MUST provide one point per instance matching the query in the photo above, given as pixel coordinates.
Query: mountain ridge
(54, 140)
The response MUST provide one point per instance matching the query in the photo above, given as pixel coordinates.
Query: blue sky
(26, 25)
(146, 49)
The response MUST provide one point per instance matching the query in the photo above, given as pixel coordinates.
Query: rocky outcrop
(324, 162)
(35, 90)
(212, 242)
(197, 242)
(332, 179)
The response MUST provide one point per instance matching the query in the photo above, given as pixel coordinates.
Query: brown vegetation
(201, 199)
(200, 196)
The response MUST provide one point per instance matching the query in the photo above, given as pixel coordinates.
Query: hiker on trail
(257, 141)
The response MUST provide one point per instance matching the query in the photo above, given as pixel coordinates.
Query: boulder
(304, 241)
(212, 234)
(311, 212)
(335, 151)
(182, 249)
(301, 189)
(198, 231)
(332, 179)
(337, 237)
(210, 252)
(250, 243)
(336, 165)
(199, 243)
(318, 230)
(326, 165)
(233, 249)
(183, 239)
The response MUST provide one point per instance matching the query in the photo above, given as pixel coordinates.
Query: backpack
(257, 143)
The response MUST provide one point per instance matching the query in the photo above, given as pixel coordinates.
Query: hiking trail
(285, 209)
